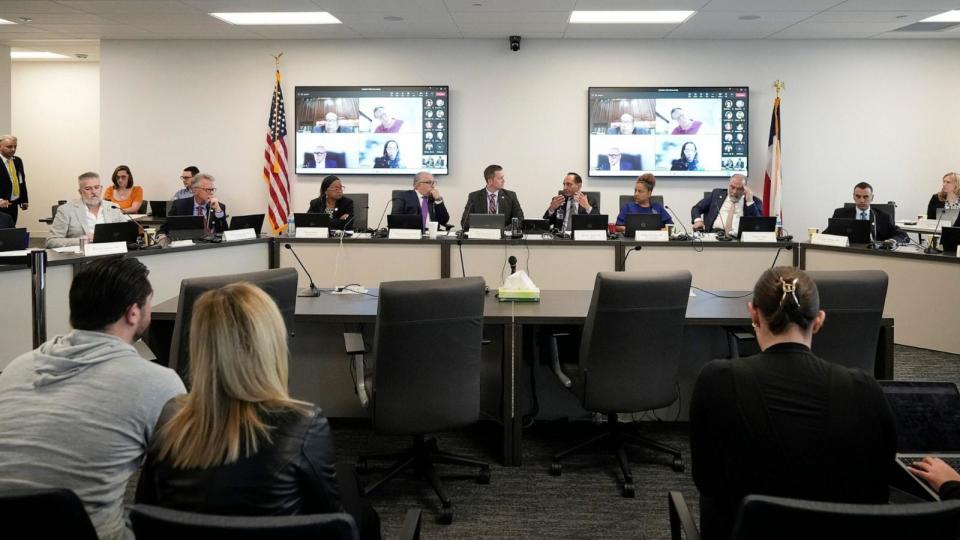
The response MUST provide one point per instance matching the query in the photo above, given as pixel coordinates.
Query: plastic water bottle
(291, 226)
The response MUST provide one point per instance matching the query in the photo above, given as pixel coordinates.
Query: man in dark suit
(723, 208)
(329, 160)
(203, 203)
(613, 160)
(492, 199)
(884, 227)
(424, 195)
(13, 181)
(568, 202)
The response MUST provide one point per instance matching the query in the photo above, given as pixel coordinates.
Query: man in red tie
(492, 199)
(13, 181)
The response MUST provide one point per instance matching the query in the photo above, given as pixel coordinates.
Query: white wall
(5, 104)
(878, 110)
(56, 118)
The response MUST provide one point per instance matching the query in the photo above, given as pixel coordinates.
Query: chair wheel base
(678, 464)
(628, 491)
(446, 515)
(556, 469)
(483, 477)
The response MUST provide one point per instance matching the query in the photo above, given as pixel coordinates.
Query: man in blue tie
(883, 225)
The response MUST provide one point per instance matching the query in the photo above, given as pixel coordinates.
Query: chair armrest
(555, 361)
(353, 343)
(680, 518)
(411, 525)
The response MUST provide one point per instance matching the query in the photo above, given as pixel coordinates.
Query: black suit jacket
(507, 204)
(184, 207)
(709, 207)
(408, 203)
(6, 186)
(342, 213)
(886, 227)
(556, 222)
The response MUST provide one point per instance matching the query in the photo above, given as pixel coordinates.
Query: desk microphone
(722, 235)
(637, 247)
(686, 234)
(312, 290)
(512, 261)
(932, 247)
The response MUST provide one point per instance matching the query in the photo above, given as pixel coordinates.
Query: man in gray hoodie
(79, 411)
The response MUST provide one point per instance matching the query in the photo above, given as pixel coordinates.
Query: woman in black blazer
(332, 202)
(948, 197)
(785, 422)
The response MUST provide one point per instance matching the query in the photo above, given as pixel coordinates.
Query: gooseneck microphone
(723, 236)
(637, 247)
(384, 213)
(512, 261)
(686, 233)
(312, 290)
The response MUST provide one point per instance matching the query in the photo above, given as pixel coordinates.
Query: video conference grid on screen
(372, 130)
(684, 131)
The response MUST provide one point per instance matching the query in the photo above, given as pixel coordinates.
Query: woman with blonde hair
(237, 444)
(947, 198)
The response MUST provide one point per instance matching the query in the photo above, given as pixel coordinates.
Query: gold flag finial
(778, 85)
(276, 59)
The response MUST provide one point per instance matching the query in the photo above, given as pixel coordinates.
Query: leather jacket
(294, 474)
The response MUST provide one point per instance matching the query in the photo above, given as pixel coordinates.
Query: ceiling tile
(71, 17)
(639, 5)
(493, 33)
(216, 6)
(33, 6)
(409, 17)
(898, 5)
(324, 31)
(908, 17)
(619, 31)
(151, 7)
(511, 5)
(345, 6)
(502, 17)
(747, 6)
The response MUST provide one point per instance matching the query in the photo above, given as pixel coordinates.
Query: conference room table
(317, 348)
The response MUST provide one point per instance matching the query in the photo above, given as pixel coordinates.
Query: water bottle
(291, 225)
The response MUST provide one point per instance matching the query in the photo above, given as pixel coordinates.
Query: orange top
(134, 200)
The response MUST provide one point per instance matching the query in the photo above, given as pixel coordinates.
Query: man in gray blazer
(78, 219)
(492, 199)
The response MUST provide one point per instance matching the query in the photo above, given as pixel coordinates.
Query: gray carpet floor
(585, 501)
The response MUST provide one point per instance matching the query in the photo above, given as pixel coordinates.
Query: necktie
(424, 211)
(492, 205)
(14, 179)
(863, 215)
(566, 215)
(728, 225)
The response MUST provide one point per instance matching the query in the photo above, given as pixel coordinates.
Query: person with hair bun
(785, 422)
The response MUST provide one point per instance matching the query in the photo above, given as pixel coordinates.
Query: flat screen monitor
(668, 131)
(372, 129)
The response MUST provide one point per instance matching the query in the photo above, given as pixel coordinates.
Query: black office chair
(156, 523)
(361, 203)
(280, 284)
(143, 207)
(596, 197)
(624, 199)
(427, 374)
(394, 195)
(853, 302)
(762, 517)
(44, 512)
(629, 357)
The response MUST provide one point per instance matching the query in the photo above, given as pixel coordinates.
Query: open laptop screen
(927, 415)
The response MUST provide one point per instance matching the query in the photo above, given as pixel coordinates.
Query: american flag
(275, 166)
(772, 180)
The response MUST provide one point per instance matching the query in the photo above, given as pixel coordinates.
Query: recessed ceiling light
(392, 18)
(268, 18)
(748, 17)
(946, 16)
(35, 55)
(630, 17)
(4, 21)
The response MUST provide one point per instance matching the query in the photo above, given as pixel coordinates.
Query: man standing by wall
(13, 181)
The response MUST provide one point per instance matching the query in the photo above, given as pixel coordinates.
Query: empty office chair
(624, 199)
(629, 357)
(853, 301)
(427, 374)
(361, 203)
(44, 513)
(280, 284)
(763, 517)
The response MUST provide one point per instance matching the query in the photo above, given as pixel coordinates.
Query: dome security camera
(514, 43)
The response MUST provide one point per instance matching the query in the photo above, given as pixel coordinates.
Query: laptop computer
(536, 226)
(487, 221)
(404, 221)
(949, 239)
(184, 227)
(123, 231)
(856, 230)
(13, 239)
(589, 222)
(312, 220)
(926, 418)
(158, 209)
(947, 217)
(641, 222)
(757, 224)
(251, 221)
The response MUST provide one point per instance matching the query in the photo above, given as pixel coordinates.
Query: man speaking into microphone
(568, 202)
(204, 203)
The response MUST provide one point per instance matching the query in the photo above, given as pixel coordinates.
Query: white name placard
(830, 240)
(926, 224)
(242, 234)
(590, 235)
(484, 234)
(749, 236)
(651, 236)
(313, 232)
(404, 234)
(104, 248)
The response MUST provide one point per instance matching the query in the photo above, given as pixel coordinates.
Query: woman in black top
(332, 202)
(785, 422)
(948, 197)
(237, 444)
(390, 158)
(689, 158)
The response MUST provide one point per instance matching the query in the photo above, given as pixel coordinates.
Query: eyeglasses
(186, 178)
(431, 182)
(210, 190)
(90, 189)
(336, 186)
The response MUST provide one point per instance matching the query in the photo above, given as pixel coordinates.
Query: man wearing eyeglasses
(186, 176)
(203, 203)
(423, 200)
(78, 219)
